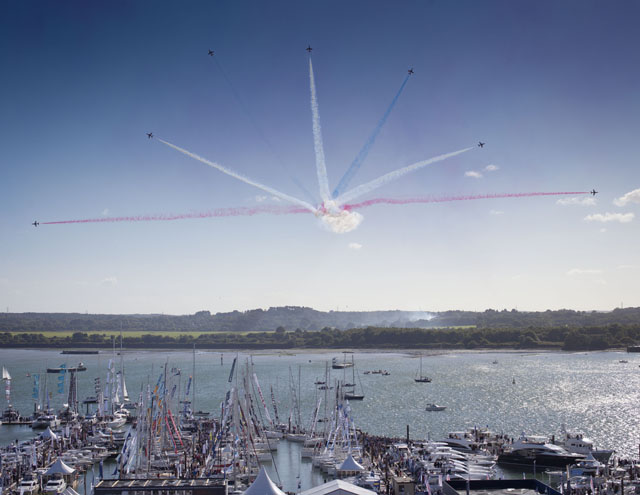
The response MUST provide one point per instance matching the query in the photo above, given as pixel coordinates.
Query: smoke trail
(396, 174)
(242, 178)
(362, 154)
(321, 167)
(220, 212)
(260, 132)
(446, 199)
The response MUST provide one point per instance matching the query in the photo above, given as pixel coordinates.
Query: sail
(5, 374)
(125, 393)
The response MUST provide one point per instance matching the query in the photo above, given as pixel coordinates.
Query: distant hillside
(293, 318)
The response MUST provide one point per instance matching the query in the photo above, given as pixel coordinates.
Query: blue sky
(552, 87)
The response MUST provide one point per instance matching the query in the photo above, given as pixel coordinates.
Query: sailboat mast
(299, 396)
(193, 382)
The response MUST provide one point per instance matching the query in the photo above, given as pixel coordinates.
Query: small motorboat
(55, 486)
(28, 485)
(434, 407)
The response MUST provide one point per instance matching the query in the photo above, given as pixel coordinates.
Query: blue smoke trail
(245, 108)
(357, 162)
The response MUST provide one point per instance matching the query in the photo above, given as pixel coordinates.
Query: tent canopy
(263, 485)
(59, 467)
(48, 434)
(350, 464)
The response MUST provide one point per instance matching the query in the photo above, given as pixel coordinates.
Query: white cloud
(496, 212)
(491, 168)
(603, 230)
(355, 246)
(610, 217)
(4, 281)
(473, 173)
(630, 197)
(577, 201)
(583, 271)
(105, 212)
(109, 281)
(626, 267)
(260, 198)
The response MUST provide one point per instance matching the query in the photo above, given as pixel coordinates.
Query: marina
(305, 432)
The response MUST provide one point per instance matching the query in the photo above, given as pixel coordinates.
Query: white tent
(48, 434)
(59, 467)
(338, 487)
(350, 464)
(263, 485)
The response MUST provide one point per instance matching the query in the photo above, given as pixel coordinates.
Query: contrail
(321, 166)
(391, 176)
(242, 178)
(446, 199)
(260, 132)
(220, 212)
(362, 154)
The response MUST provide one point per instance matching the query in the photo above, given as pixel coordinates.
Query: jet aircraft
(211, 53)
(36, 223)
(481, 144)
(593, 192)
(410, 71)
(149, 135)
(308, 48)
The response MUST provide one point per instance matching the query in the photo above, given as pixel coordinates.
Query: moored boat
(530, 450)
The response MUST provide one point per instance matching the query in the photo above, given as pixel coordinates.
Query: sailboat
(10, 415)
(351, 394)
(421, 378)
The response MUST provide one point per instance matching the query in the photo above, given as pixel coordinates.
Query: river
(510, 392)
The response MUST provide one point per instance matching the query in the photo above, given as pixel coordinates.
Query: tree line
(566, 338)
(294, 317)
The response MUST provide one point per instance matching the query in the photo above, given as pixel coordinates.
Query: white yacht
(472, 440)
(44, 421)
(579, 444)
(28, 486)
(118, 421)
(55, 486)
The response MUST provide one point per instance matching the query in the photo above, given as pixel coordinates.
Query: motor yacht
(45, 421)
(529, 450)
(580, 444)
(28, 485)
(55, 486)
(434, 407)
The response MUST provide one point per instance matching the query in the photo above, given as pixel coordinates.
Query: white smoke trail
(242, 178)
(391, 176)
(321, 166)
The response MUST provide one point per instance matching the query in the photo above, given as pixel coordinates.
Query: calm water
(593, 392)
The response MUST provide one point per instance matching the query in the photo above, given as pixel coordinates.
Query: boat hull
(542, 460)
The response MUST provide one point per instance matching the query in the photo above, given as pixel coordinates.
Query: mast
(193, 382)
(299, 396)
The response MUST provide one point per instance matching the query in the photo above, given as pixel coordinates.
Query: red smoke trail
(242, 211)
(444, 199)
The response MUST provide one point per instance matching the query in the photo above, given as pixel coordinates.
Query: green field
(116, 333)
